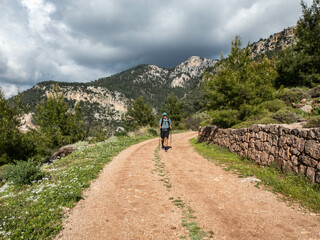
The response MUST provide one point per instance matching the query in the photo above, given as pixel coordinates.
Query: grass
(293, 187)
(36, 211)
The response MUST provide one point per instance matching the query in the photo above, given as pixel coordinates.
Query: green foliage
(153, 132)
(300, 64)
(285, 116)
(273, 105)
(239, 86)
(57, 123)
(292, 95)
(239, 80)
(23, 172)
(13, 144)
(224, 118)
(313, 122)
(139, 114)
(315, 92)
(173, 107)
(97, 134)
(193, 122)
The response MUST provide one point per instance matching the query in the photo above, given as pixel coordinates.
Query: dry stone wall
(293, 149)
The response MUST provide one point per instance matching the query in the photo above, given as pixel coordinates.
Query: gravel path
(129, 200)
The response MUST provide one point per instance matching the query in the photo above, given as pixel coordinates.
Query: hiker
(165, 127)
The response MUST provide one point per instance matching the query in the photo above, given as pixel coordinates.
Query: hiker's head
(164, 115)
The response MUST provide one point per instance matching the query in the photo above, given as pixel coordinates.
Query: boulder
(63, 152)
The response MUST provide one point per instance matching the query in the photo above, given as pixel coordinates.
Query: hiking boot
(166, 148)
(162, 147)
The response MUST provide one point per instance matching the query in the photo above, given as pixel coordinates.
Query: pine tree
(139, 114)
(173, 107)
(12, 144)
(300, 64)
(60, 125)
(239, 85)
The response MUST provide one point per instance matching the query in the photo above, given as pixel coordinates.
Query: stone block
(294, 151)
(295, 169)
(317, 180)
(303, 133)
(271, 159)
(311, 174)
(294, 160)
(282, 141)
(294, 132)
(264, 158)
(311, 134)
(308, 161)
(302, 169)
(312, 148)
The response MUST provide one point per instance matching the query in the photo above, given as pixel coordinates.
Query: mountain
(274, 44)
(106, 99)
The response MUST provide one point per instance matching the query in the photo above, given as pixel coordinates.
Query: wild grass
(36, 211)
(292, 187)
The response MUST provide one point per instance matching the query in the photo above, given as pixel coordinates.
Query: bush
(194, 121)
(313, 122)
(315, 92)
(293, 95)
(273, 105)
(22, 172)
(224, 118)
(153, 132)
(285, 116)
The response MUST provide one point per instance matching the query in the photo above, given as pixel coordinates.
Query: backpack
(162, 121)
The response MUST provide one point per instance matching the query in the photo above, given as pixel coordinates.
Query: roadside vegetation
(292, 187)
(34, 199)
(241, 91)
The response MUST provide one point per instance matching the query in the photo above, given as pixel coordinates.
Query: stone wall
(294, 149)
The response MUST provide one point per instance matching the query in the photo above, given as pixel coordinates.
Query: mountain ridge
(105, 100)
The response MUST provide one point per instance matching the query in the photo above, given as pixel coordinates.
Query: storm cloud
(85, 40)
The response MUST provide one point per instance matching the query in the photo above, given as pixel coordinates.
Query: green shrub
(315, 92)
(292, 95)
(273, 105)
(315, 110)
(285, 116)
(153, 132)
(224, 118)
(22, 172)
(313, 122)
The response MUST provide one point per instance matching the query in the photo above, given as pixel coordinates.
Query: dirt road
(136, 196)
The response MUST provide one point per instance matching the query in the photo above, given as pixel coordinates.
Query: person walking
(165, 127)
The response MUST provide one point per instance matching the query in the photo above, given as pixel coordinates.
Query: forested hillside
(280, 87)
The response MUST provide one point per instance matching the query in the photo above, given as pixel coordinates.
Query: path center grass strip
(36, 211)
(292, 187)
(188, 218)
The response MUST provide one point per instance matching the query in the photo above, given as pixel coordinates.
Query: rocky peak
(275, 42)
(191, 68)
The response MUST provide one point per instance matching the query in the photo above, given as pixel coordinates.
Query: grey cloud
(84, 40)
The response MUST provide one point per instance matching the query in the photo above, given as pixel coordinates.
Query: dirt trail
(128, 201)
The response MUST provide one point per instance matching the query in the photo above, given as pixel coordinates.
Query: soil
(129, 200)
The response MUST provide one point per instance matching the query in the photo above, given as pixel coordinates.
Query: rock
(311, 173)
(63, 152)
(306, 108)
(302, 169)
(312, 148)
(317, 180)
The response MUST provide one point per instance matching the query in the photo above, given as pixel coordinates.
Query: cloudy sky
(84, 40)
